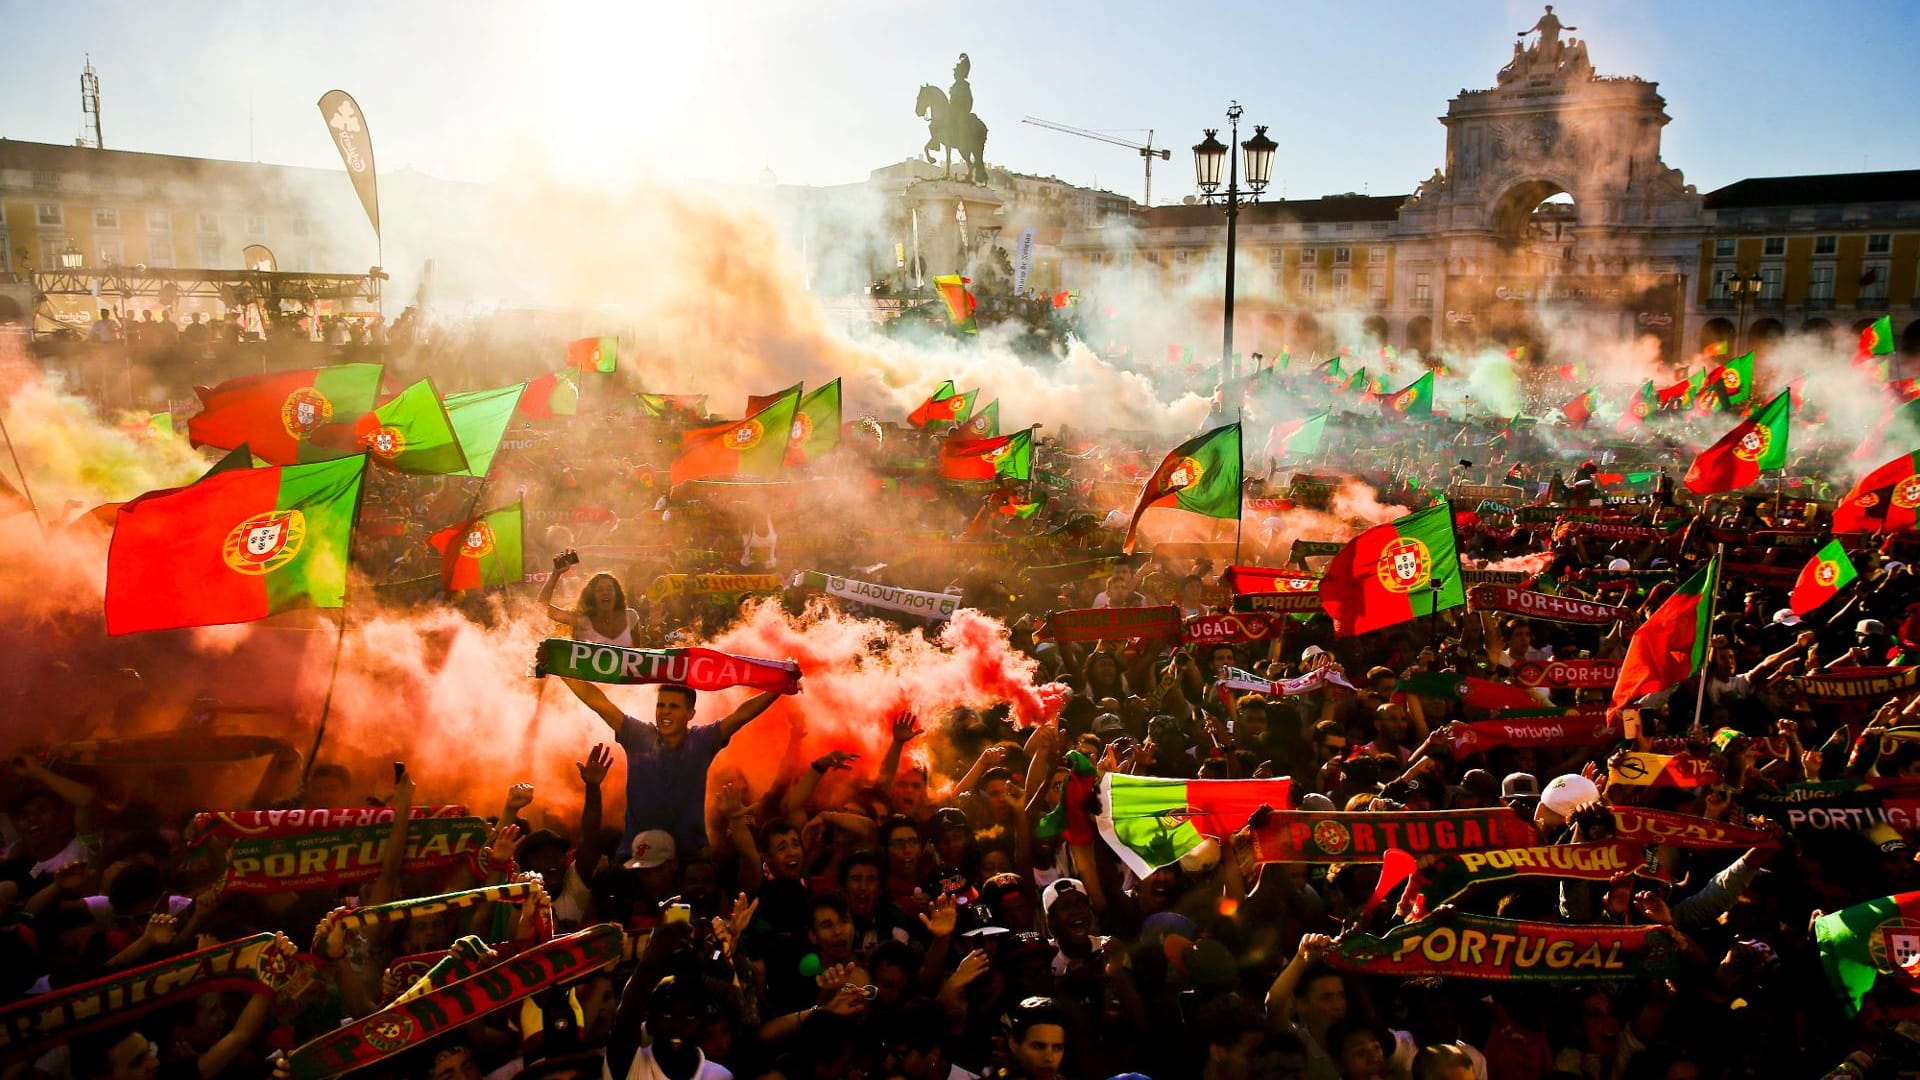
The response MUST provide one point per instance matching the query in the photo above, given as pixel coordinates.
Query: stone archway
(1765, 334)
(1717, 330)
(1307, 333)
(1420, 334)
(1817, 327)
(10, 310)
(1376, 329)
(1910, 339)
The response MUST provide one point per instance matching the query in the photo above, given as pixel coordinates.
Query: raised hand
(906, 727)
(836, 759)
(593, 771)
(945, 916)
(519, 797)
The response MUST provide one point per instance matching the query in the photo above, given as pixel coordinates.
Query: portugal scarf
(924, 605)
(243, 824)
(1110, 624)
(1333, 836)
(701, 669)
(330, 858)
(1503, 950)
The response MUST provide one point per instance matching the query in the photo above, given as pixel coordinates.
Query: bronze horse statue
(964, 132)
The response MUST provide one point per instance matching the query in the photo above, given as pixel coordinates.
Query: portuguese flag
(816, 424)
(277, 414)
(1200, 476)
(234, 546)
(480, 420)
(1734, 380)
(1877, 338)
(1151, 822)
(1394, 572)
(1884, 500)
(1756, 444)
(412, 433)
(1329, 371)
(1300, 437)
(1638, 409)
(1669, 647)
(601, 354)
(1825, 574)
(755, 446)
(1861, 943)
(1472, 692)
(1414, 399)
(944, 407)
(960, 305)
(1716, 348)
(550, 395)
(1357, 382)
(480, 552)
(1579, 410)
(1680, 392)
(669, 406)
(984, 424)
(1008, 456)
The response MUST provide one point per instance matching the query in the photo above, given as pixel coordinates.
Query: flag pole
(25, 489)
(1713, 606)
(1240, 492)
(326, 703)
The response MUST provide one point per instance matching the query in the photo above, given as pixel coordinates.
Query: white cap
(1310, 652)
(651, 849)
(1785, 617)
(1054, 889)
(1567, 793)
(1619, 564)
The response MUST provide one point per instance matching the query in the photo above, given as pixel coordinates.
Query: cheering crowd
(1241, 841)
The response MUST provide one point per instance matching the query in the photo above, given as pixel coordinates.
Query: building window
(210, 253)
(51, 214)
(1096, 258)
(1340, 281)
(1873, 281)
(106, 217)
(6, 254)
(1343, 227)
(1377, 254)
(256, 225)
(1879, 243)
(209, 223)
(159, 251)
(1376, 285)
(1306, 284)
(1770, 277)
(1342, 255)
(108, 251)
(1423, 288)
(1275, 257)
(1720, 279)
(1380, 227)
(1308, 255)
(1153, 257)
(1723, 247)
(159, 221)
(50, 249)
(1820, 282)
(1773, 245)
(1825, 245)
(46, 181)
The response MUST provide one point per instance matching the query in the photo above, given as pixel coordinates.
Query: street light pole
(1743, 286)
(1208, 156)
(1228, 362)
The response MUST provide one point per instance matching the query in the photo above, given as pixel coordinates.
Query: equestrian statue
(951, 124)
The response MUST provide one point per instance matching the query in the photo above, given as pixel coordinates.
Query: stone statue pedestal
(958, 220)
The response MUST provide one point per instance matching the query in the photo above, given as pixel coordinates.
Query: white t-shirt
(583, 631)
(644, 1067)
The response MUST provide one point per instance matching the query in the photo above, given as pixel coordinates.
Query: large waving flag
(1822, 578)
(1301, 437)
(1200, 476)
(1859, 944)
(1007, 456)
(1884, 500)
(1151, 822)
(984, 424)
(1672, 645)
(1413, 399)
(1755, 445)
(412, 433)
(940, 407)
(1393, 573)
(234, 546)
(1638, 409)
(960, 303)
(480, 552)
(755, 446)
(1579, 410)
(601, 354)
(276, 415)
(550, 395)
(480, 419)
(1733, 381)
(816, 424)
(1877, 338)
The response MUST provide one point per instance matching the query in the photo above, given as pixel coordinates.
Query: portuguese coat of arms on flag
(1394, 572)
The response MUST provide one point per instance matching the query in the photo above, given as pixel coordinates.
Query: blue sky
(820, 91)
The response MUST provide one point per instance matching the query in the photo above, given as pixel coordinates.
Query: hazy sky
(821, 91)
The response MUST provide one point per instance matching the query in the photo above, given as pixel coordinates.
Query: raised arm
(593, 772)
(387, 886)
(561, 563)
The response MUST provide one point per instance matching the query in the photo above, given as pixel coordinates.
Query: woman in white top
(759, 547)
(602, 615)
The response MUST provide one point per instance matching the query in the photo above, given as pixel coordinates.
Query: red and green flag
(1200, 476)
(1716, 349)
(277, 414)
(1638, 409)
(1151, 821)
(411, 432)
(1825, 575)
(235, 546)
(1299, 437)
(480, 420)
(1863, 942)
(1579, 410)
(1671, 645)
(601, 354)
(1884, 500)
(669, 406)
(1357, 382)
(1414, 399)
(1733, 380)
(944, 407)
(1005, 457)
(1680, 392)
(1471, 692)
(1755, 445)
(755, 446)
(480, 552)
(960, 304)
(816, 424)
(984, 424)
(1877, 338)
(1394, 572)
(550, 395)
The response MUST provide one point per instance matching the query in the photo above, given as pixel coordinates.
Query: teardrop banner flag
(350, 136)
(701, 669)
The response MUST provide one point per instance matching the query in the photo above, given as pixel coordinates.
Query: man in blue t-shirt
(667, 760)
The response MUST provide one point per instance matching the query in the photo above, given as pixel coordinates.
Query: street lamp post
(72, 258)
(1744, 287)
(1208, 157)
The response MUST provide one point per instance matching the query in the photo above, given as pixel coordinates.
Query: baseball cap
(1619, 564)
(1520, 785)
(651, 849)
(1870, 626)
(1785, 617)
(1893, 565)
(1310, 652)
(1059, 887)
(1313, 800)
(1107, 725)
(1566, 793)
(951, 817)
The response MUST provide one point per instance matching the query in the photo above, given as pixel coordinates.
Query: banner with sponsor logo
(1110, 624)
(1842, 684)
(350, 136)
(1637, 769)
(1278, 603)
(240, 824)
(1330, 836)
(701, 669)
(328, 858)
(1230, 629)
(1567, 674)
(261, 964)
(400, 1027)
(1503, 950)
(924, 605)
(1574, 729)
(1452, 875)
(1543, 606)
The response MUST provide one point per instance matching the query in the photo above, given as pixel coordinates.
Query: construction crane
(1147, 151)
